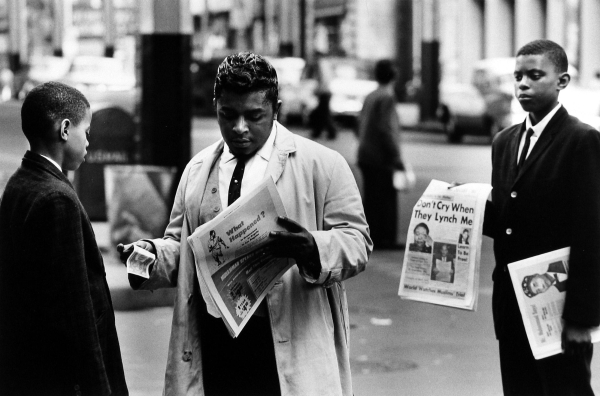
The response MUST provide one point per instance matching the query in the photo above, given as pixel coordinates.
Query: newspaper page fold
(540, 286)
(441, 262)
(232, 254)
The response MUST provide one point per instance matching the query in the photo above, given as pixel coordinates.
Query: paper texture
(232, 254)
(539, 285)
(441, 262)
(139, 261)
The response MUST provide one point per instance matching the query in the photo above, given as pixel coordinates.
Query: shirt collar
(540, 126)
(264, 152)
(53, 162)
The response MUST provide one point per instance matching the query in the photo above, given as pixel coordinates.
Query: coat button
(513, 194)
(76, 387)
(214, 190)
(187, 356)
(508, 231)
(216, 208)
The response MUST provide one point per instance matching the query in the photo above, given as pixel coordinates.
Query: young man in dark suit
(546, 196)
(57, 326)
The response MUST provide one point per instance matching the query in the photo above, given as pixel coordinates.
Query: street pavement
(398, 347)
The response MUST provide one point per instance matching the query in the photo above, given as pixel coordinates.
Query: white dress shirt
(54, 162)
(537, 131)
(254, 172)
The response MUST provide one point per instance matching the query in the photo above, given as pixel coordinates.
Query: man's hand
(576, 340)
(126, 250)
(296, 243)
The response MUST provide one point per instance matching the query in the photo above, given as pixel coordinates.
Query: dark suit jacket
(57, 326)
(553, 202)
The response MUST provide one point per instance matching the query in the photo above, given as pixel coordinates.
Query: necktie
(235, 185)
(525, 149)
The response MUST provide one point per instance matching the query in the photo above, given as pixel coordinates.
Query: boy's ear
(64, 129)
(563, 80)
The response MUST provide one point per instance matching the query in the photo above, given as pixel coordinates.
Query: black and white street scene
(133, 125)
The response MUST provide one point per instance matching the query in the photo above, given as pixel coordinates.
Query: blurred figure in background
(320, 118)
(379, 157)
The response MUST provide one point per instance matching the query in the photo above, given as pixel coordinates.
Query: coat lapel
(284, 145)
(544, 141)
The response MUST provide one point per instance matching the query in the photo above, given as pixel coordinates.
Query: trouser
(238, 366)
(558, 375)
(380, 200)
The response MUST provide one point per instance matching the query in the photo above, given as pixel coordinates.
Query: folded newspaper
(540, 285)
(232, 254)
(441, 262)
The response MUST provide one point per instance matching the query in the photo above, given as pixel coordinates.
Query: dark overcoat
(57, 325)
(551, 203)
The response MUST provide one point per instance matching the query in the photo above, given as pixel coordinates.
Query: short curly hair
(247, 72)
(49, 103)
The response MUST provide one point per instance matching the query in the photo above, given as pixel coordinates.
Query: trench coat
(308, 316)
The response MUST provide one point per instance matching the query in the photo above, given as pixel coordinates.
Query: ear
(277, 108)
(64, 129)
(563, 80)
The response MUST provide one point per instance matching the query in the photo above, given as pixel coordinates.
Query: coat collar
(34, 160)
(201, 166)
(552, 129)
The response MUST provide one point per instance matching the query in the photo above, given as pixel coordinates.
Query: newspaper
(232, 254)
(540, 285)
(441, 262)
(139, 261)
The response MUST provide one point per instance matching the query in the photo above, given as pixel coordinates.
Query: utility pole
(404, 46)
(430, 63)
(166, 100)
(109, 28)
(17, 31)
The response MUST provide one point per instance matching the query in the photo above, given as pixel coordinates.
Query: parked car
(289, 72)
(581, 102)
(40, 70)
(104, 81)
(349, 80)
(481, 107)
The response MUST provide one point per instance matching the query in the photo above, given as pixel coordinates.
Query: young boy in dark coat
(546, 196)
(57, 325)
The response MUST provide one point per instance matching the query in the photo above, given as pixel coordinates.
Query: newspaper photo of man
(556, 276)
(422, 241)
(442, 266)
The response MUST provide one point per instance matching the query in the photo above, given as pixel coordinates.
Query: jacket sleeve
(582, 305)
(65, 301)
(344, 243)
(166, 267)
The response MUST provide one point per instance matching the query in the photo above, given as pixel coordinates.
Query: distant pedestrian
(379, 157)
(320, 117)
(546, 196)
(57, 326)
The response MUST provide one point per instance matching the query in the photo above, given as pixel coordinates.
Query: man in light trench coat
(297, 342)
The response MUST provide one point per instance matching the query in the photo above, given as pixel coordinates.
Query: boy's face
(537, 84)
(245, 120)
(77, 142)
